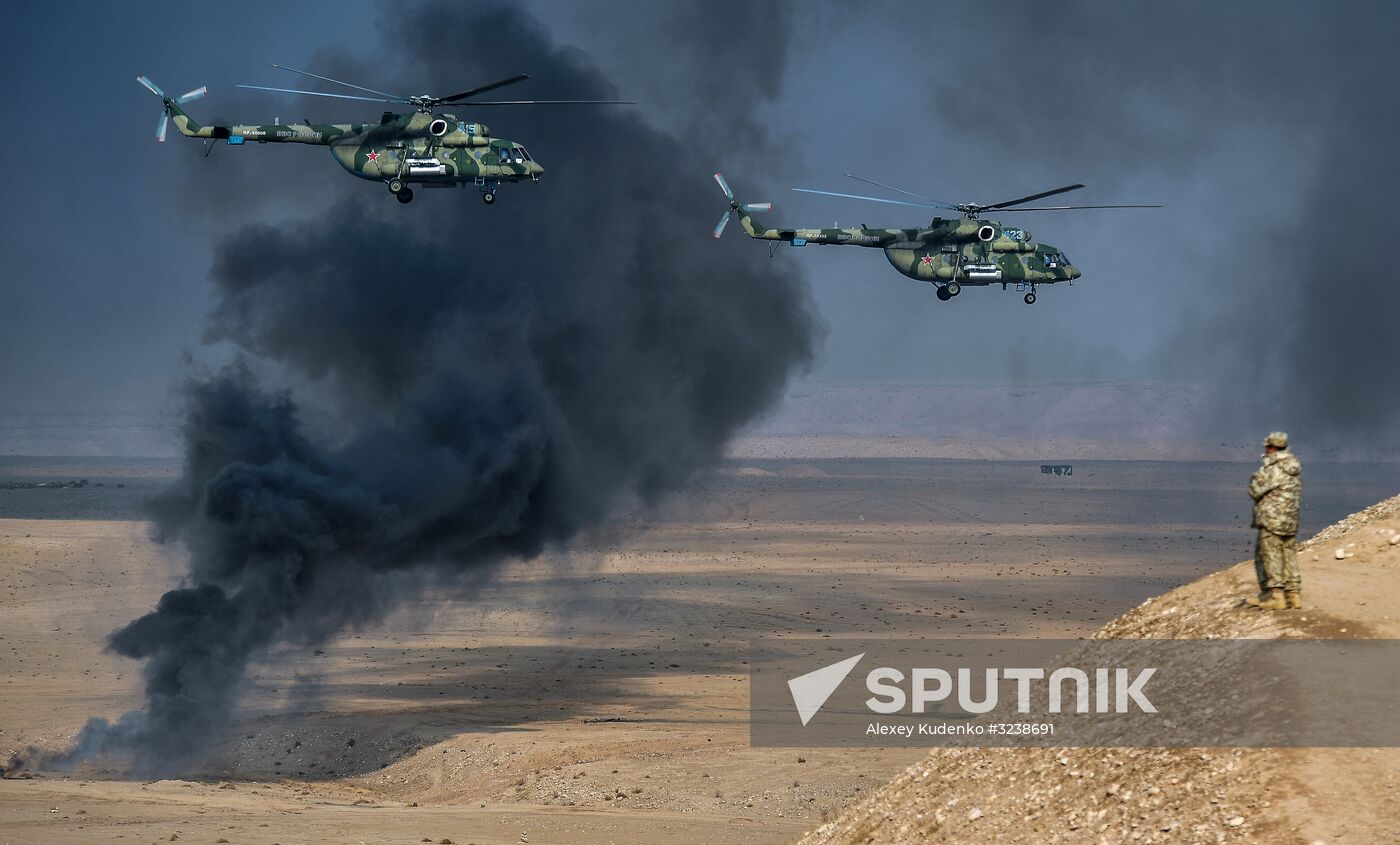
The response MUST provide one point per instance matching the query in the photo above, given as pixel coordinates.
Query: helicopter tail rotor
(167, 101)
(744, 209)
(723, 221)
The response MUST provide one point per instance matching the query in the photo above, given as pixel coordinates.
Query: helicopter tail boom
(187, 125)
(171, 110)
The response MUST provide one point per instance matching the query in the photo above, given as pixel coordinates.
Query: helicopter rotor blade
(758, 206)
(723, 221)
(1040, 196)
(151, 86)
(724, 186)
(1073, 207)
(322, 94)
(873, 199)
(190, 96)
(339, 82)
(947, 205)
(163, 125)
(472, 92)
(549, 102)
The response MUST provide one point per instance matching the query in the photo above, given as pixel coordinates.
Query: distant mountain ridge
(1021, 420)
(1014, 420)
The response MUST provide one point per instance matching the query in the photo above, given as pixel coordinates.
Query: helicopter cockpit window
(524, 155)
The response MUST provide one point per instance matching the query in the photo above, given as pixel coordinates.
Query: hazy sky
(1265, 130)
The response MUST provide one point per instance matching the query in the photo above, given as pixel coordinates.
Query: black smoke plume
(1286, 294)
(486, 382)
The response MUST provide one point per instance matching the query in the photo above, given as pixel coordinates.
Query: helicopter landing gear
(488, 189)
(401, 192)
(943, 295)
(1030, 298)
(953, 288)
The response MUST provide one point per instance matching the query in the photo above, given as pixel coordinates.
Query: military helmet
(1277, 439)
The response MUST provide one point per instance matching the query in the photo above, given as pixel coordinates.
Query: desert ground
(1106, 795)
(597, 695)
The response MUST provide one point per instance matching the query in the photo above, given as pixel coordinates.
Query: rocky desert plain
(599, 694)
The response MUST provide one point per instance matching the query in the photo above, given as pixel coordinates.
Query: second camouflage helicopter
(423, 147)
(949, 253)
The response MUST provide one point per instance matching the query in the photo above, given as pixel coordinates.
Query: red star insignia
(927, 261)
(371, 155)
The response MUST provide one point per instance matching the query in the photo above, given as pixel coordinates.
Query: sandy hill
(1202, 795)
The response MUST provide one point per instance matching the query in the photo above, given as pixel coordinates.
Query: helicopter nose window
(525, 156)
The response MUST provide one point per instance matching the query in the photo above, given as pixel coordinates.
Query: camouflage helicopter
(948, 253)
(423, 147)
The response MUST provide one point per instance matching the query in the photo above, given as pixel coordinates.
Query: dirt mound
(1150, 795)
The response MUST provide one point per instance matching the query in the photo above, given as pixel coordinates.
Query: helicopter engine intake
(970, 230)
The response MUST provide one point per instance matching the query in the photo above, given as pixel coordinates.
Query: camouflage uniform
(1277, 490)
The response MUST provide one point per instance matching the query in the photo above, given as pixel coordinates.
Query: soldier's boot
(1294, 599)
(1259, 600)
(1269, 600)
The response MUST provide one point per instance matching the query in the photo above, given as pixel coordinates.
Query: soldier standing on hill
(1277, 491)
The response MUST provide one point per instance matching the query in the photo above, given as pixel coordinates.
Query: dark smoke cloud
(1289, 310)
(488, 382)
(1141, 87)
(1337, 284)
(753, 39)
